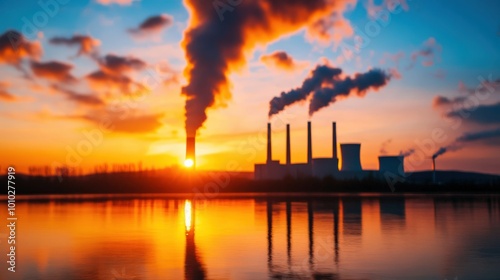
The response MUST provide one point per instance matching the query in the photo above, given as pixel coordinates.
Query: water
(331, 237)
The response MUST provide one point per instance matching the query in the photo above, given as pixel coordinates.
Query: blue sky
(464, 38)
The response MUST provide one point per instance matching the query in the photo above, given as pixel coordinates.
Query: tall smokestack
(190, 149)
(309, 143)
(434, 170)
(269, 149)
(334, 140)
(288, 153)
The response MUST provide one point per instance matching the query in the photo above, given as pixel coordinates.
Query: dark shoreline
(209, 184)
(232, 196)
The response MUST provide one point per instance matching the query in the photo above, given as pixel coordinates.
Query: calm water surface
(337, 237)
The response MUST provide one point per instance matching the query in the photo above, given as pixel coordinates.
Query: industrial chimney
(190, 151)
(433, 170)
(334, 140)
(309, 143)
(288, 152)
(269, 149)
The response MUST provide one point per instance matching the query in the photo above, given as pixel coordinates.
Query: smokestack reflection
(310, 225)
(269, 145)
(193, 267)
(309, 143)
(288, 148)
(289, 232)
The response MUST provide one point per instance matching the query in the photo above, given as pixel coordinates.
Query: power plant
(323, 167)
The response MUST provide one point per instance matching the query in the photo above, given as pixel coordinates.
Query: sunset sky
(106, 81)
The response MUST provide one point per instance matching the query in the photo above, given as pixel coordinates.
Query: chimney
(334, 140)
(288, 154)
(190, 149)
(269, 149)
(434, 170)
(309, 143)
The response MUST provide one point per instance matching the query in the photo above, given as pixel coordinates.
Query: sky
(87, 83)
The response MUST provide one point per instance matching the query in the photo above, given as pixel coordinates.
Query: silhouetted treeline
(210, 183)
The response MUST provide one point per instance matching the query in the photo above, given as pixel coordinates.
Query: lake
(256, 237)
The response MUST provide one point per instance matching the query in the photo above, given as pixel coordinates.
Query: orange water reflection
(259, 238)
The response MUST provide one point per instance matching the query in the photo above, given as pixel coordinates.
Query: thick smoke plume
(218, 40)
(320, 75)
(325, 84)
(480, 135)
(360, 84)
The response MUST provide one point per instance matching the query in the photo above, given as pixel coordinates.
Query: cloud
(482, 114)
(488, 85)
(118, 64)
(391, 5)
(333, 28)
(468, 109)
(87, 44)
(216, 43)
(14, 47)
(152, 25)
(4, 94)
(118, 2)
(53, 70)
(280, 60)
(318, 76)
(429, 52)
(394, 58)
(137, 123)
(480, 135)
(440, 101)
(79, 98)
(104, 81)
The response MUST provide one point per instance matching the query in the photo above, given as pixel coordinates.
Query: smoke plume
(87, 44)
(325, 85)
(14, 47)
(480, 135)
(320, 75)
(442, 150)
(360, 83)
(383, 147)
(407, 153)
(217, 41)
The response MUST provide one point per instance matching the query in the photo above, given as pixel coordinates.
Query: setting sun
(188, 163)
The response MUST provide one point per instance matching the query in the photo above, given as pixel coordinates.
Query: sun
(188, 163)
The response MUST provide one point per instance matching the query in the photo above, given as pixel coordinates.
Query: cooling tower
(288, 152)
(351, 157)
(269, 149)
(190, 149)
(391, 164)
(309, 144)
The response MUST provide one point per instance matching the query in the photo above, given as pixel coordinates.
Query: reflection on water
(193, 268)
(346, 237)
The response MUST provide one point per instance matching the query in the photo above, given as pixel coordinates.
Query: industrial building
(323, 167)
